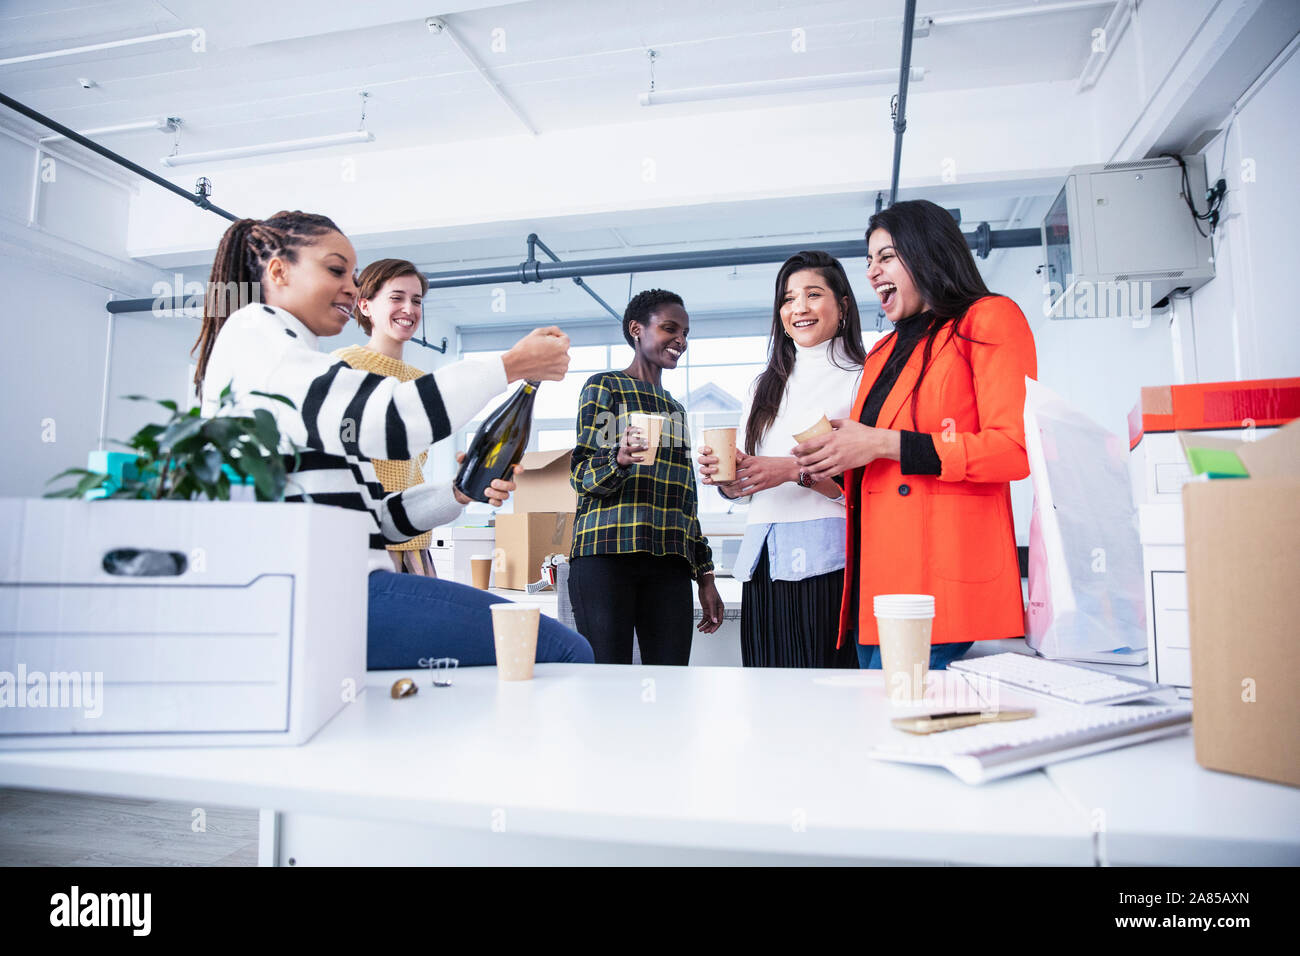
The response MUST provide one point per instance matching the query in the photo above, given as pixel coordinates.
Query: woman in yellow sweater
(390, 296)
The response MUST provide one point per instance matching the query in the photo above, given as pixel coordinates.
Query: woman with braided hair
(296, 271)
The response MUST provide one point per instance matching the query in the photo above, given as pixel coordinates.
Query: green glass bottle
(498, 444)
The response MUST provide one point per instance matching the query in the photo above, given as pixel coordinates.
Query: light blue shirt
(795, 549)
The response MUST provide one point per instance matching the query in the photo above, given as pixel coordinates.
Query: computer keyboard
(990, 751)
(1064, 682)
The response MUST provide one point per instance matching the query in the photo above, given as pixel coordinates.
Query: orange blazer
(950, 534)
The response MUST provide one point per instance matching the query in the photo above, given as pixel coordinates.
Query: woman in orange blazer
(935, 436)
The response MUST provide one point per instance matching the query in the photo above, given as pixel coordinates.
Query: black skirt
(792, 623)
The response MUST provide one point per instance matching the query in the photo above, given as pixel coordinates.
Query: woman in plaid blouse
(637, 543)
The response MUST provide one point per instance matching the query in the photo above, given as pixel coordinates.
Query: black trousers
(614, 594)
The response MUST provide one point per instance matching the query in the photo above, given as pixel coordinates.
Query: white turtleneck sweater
(802, 528)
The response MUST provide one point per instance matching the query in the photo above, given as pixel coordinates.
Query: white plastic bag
(1086, 591)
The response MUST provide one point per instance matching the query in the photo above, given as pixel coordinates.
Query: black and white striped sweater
(345, 417)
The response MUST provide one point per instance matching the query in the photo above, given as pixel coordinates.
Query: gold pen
(951, 720)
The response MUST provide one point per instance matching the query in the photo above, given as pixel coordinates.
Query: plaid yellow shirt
(642, 508)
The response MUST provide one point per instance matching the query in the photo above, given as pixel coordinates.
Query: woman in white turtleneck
(792, 558)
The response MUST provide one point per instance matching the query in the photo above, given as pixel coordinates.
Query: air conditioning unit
(1120, 239)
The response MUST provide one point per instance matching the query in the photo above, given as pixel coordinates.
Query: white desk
(611, 764)
(598, 764)
(1153, 804)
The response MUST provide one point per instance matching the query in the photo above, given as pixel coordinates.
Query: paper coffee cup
(903, 623)
(480, 569)
(822, 427)
(652, 426)
(514, 628)
(723, 443)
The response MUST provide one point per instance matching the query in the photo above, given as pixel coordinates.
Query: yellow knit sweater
(393, 475)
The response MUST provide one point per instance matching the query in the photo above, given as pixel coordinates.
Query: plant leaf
(275, 397)
(207, 465)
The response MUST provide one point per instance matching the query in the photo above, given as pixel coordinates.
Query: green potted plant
(189, 457)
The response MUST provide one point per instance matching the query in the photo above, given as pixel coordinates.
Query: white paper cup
(514, 628)
(903, 623)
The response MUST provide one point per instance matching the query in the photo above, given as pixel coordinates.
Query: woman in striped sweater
(296, 271)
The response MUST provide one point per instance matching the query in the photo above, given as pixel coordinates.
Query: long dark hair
(770, 388)
(931, 247)
(245, 249)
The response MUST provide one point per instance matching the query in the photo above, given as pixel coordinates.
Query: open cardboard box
(1243, 583)
(545, 506)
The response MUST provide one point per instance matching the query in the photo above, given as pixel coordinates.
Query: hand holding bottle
(497, 493)
(540, 356)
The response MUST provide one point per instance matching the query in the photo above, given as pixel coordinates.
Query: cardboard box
(1157, 466)
(544, 485)
(1243, 581)
(545, 506)
(524, 540)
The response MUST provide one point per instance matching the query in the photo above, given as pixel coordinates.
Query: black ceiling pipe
(900, 117)
(981, 240)
(31, 114)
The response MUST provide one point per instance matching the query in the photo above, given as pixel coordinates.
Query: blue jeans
(412, 616)
(941, 655)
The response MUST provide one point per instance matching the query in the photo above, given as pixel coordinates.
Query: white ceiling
(294, 69)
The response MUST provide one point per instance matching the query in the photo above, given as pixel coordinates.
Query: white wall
(1245, 318)
(58, 275)
(51, 368)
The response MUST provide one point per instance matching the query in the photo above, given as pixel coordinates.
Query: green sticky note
(1216, 462)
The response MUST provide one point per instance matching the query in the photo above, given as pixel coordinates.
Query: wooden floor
(63, 829)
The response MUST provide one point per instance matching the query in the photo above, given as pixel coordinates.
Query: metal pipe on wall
(31, 114)
(982, 241)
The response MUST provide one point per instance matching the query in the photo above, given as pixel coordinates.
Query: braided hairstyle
(236, 280)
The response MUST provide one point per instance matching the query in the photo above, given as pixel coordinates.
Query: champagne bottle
(498, 444)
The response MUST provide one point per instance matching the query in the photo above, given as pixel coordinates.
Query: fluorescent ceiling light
(110, 45)
(264, 149)
(1010, 13)
(167, 125)
(797, 84)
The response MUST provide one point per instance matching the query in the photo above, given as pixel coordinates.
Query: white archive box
(176, 623)
(452, 547)
(1164, 570)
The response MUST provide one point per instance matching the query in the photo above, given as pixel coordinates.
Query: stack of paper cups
(903, 622)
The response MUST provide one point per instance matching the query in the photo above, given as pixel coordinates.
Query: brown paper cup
(723, 443)
(514, 627)
(480, 569)
(823, 427)
(653, 426)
